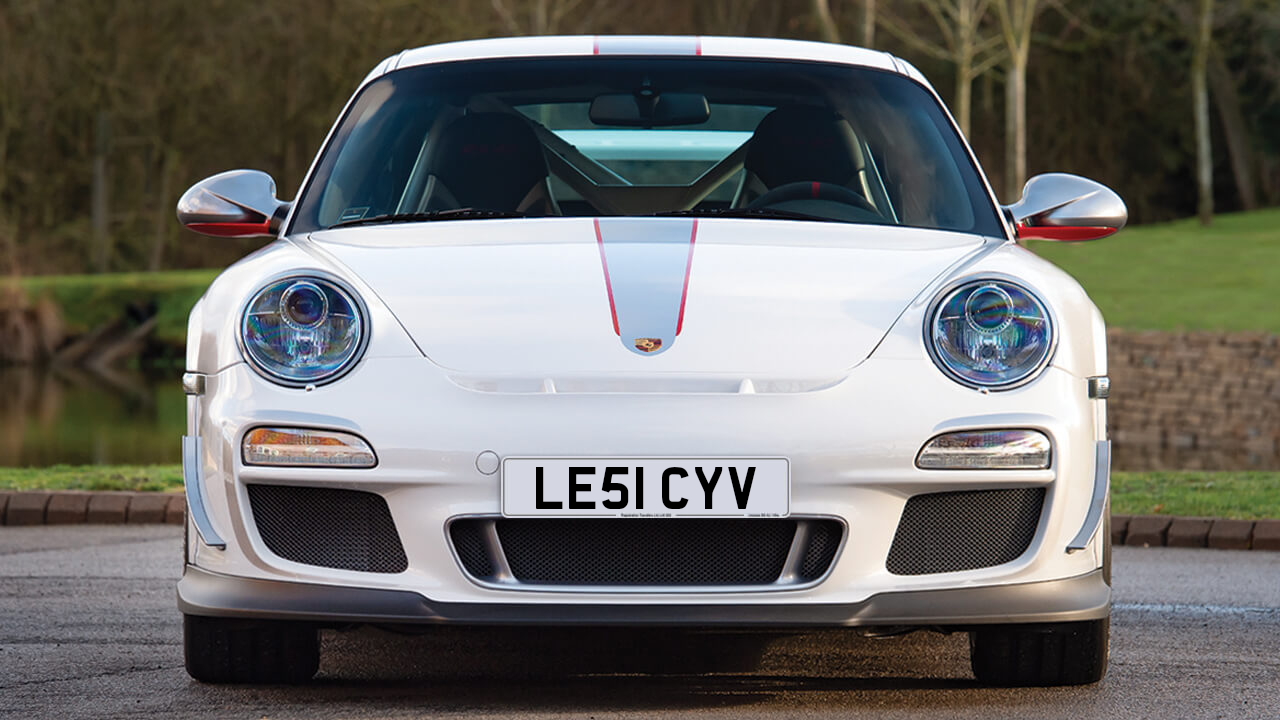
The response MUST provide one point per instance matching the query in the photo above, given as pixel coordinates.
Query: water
(72, 417)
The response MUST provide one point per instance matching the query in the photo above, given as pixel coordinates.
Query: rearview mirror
(640, 110)
(1058, 206)
(236, 203)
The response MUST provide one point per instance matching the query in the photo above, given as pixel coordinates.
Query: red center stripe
(688, 268)
(813, 189)
(608, 286)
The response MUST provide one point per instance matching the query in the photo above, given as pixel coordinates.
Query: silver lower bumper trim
(1084, 597)
(1101, 483)
(193, 479)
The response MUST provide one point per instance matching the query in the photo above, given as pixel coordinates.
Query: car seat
(801, 143)
(487, 161)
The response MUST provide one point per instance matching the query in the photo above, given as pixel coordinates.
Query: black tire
(1040, 655)
(225, 650)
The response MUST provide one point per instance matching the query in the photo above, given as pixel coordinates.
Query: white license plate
(646, 487)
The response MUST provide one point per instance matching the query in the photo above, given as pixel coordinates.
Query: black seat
(800, 143)
(488, 161)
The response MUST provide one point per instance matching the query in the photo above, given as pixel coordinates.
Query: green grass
(1182, 276)
(88, 301)
(1239, 495)
(154, 478)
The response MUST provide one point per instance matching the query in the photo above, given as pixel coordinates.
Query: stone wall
(1199, 400)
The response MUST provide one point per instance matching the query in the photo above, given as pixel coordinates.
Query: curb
(92, 508)
(1194, 532)
(151, 508)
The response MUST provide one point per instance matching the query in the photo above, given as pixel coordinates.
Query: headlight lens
(990, 333)
(302, 330)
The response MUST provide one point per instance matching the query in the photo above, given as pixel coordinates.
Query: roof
(658, 45)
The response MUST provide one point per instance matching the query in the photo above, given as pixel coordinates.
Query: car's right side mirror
(1058, 206)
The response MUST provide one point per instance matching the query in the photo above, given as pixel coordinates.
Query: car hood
(559, 300)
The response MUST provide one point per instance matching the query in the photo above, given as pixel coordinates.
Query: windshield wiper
(766, 213)
(454, 214)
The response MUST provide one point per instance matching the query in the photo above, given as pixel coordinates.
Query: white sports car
(647, 331)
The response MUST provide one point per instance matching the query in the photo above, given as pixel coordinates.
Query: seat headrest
(796, 143)
(488, 160)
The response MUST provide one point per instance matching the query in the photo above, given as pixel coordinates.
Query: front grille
(685, 552)
(343, 529)
(953, 531)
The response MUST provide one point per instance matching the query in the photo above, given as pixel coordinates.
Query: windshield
(646, 136)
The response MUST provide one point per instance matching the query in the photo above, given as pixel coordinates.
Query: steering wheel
(806, 190)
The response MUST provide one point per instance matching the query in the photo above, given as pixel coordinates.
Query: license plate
(646, 487)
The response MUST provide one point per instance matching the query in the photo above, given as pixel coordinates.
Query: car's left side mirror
(1058, 206)
(236, 203)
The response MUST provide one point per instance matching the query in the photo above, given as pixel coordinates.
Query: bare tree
(1201, 45)
(1016, 19)
(548, 17)
(827, 27)
(730, 17)
(868, 23)
(959, 24)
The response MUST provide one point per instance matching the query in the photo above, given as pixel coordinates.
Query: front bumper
(1084, 597)
(851, 448)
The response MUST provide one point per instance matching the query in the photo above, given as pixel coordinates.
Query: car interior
(787, 148)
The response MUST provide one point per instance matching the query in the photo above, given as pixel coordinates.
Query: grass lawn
(93, 477)
(1241, 495)
(1181, 276)
(88, 301)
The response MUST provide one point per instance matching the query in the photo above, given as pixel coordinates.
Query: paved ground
(88, 629)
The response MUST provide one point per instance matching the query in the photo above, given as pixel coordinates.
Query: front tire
(1040, 655)
(226, 650)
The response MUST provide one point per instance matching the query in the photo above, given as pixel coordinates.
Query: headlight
(302, 330)
(301, 446)
(986, 449)
(990, 333)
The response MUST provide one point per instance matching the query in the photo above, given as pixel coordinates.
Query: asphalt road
(88, 628)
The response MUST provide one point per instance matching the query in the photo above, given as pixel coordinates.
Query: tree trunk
(964, 96)
(868, 23)
(99, 202)
(826, 23)
(1016, 20)
(1200, 104)
(1015, 136)
(1227, 99)
(966, 32)
(163, 218)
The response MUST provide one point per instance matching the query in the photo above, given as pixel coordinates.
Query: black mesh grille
(631, 552)
(824, 540)
(469, 544)
(952, 531)
(344, 529)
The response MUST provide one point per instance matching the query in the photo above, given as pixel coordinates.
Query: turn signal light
(983, 449)
(299, 446)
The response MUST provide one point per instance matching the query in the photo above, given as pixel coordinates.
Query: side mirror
(1058, 206)
(236, 203)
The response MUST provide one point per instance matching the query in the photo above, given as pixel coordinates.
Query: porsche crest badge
(648, 345)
